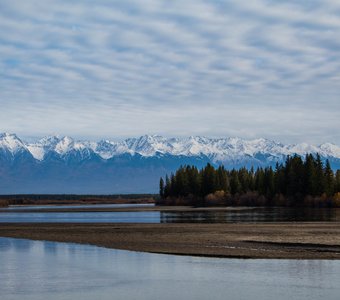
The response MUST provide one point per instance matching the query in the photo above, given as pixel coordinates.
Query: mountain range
(56, 164)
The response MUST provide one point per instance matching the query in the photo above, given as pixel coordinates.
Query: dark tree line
(293, 181)
(44, 199)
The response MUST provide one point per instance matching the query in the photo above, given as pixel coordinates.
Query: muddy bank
(269, 240)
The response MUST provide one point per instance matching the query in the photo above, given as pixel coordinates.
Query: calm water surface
(35, 270)
(249, 215)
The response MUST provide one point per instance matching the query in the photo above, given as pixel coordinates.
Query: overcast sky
(115, 69)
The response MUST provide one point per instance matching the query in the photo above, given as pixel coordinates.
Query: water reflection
(50, 248)
(80, 217)
(46, 270)
(17, 244)
(254, 216)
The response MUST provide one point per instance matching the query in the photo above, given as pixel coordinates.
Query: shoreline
(312, 240)
(129, 209)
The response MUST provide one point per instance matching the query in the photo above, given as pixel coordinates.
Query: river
(270, 214)
(34, 270)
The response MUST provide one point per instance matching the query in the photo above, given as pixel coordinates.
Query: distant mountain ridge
(218, 150)
(56, 164)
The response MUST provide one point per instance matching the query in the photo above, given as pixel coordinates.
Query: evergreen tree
(222, 180)
(161, 188)
(251, 179)
(310, 176)
(329, 179)
(182, 185)
(259, 181)
(235, 185)
(244, 178)
(208, 180)
(279, 179)
(167, 187)
(194, 181)
(294, 176)
(319, 176)
(173, 186)
(337, 181)
(268, 182)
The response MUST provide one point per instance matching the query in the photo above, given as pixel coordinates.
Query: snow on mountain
(107, 149)
(217, 150)
(60, 145)
(43, 146)
(330, 150)
(37, 152)
(11, 143)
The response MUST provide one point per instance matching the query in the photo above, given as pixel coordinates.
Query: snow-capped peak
(216, 149)
(50, 141)
(64, 145)
(55, 143)
(11, 142)
(43, 146)
(149, 145)
(330, 149)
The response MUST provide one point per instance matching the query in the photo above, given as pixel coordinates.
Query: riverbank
(317, 240)
(137, 208)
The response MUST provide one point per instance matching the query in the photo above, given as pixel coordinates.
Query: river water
(277, 214)
(34, 270)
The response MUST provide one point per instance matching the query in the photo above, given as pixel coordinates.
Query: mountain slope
(57, 164)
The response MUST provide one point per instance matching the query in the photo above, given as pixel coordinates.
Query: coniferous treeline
(298, 181)
(57, 199)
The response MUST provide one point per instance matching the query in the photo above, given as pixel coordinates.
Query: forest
(298, 181)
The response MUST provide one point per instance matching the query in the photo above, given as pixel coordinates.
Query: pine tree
(235, 185)
(337, 181)
(268, 182)
(294, 176)
(251, 179)
(208, 180)
(279, 179)
(167, 187)
(161, 188)
(259, 181)
(194, 181)
(173, 186)
(310, 176)
(222, 180)
(243, 176)
(319, 176)
(329, 179)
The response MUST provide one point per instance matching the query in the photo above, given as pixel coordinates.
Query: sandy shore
(266, 240)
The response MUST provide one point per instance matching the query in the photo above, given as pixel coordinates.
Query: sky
(117, 69)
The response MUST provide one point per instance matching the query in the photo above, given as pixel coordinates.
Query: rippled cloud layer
(217, 68)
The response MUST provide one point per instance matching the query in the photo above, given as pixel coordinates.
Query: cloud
(124, 68)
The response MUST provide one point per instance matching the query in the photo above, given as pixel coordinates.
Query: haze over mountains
(57, 164)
